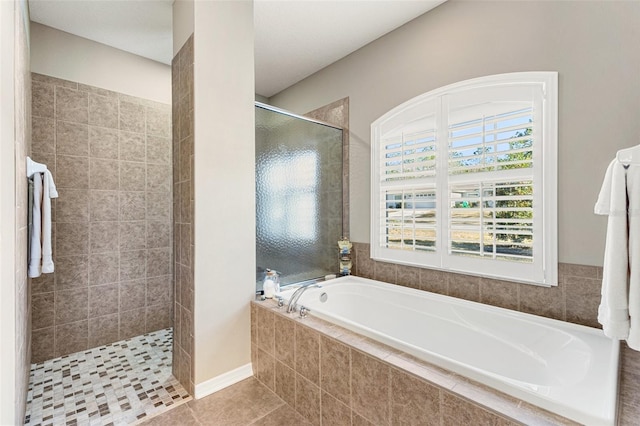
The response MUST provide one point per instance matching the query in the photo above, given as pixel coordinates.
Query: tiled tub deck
(331, 375)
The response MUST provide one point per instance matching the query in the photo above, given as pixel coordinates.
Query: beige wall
(69, 57)
(593, 46)
(224, 179)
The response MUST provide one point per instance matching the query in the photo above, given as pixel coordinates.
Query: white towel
(35, 248)
(619, 311)
(40, 256)
(50, 192)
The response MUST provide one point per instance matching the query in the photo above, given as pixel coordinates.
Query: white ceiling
(293, 38)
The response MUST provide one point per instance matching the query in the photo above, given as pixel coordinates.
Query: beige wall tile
(408, 276)
(266, 369)
(158, 122)
(158, 234)
(103, 143)
(72, 205)
(158, 317)
(72, 138)
(103, 111)
(158, 262)
(457, 411)
(43, 135)
(158, 150)
(132, 323)
(43, 309)
(186, 330)
(133, 265)
(133, 235)
(103, 330)
(132, 295)
(103, 300)
(71, 105)
(71, 272)
(104, 237)
(43, 284)
(548, 302)
(72, 238)
(72, 337)
(42, 99)
(132, 147)
(133, 176)
(159, 206)
(159, 178)
(160, 291)
(104, 174)
(103, 206)
(133, 205)
(104, 268)
(43, 344)
(72, 172)
(433, 281)
(71, 305)
(132, 117)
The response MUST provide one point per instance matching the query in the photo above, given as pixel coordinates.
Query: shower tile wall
(182, 85)
(110, 155)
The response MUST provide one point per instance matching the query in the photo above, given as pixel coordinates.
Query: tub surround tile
(285, 383)
(335, 365)
(267, 369)
(334, 412)
(546, 301)
(307, 353)
(464, 287)
(391, 387)
(413, 401)
(584, 300)
(370, 387)
(499, 293)
(266, 334)
(387, 272)
(284, 343)
(307, 400)
(408, 277)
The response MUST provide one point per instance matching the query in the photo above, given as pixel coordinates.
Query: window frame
(543, 270)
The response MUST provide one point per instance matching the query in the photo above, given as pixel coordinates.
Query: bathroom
(592, 47)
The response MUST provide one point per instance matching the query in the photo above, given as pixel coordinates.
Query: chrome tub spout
(293, 302)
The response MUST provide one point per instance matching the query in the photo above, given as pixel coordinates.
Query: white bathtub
(565, 368)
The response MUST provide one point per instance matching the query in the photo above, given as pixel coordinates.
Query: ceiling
(293, 38)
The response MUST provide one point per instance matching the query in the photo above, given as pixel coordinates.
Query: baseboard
(222, 381)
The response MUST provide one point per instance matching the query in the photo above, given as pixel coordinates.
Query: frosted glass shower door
(298, 196)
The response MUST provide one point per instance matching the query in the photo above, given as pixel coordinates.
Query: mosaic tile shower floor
(117, 384)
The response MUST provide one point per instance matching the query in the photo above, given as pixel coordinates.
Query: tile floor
(246, 403)
(116, 384)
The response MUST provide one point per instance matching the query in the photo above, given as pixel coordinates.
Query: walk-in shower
(299, 193)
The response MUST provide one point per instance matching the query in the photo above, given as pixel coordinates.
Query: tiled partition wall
(575, 299)
(182, 85)
(332, 376)
(110, 155)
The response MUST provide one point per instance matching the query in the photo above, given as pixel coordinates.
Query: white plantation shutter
(464, 179)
